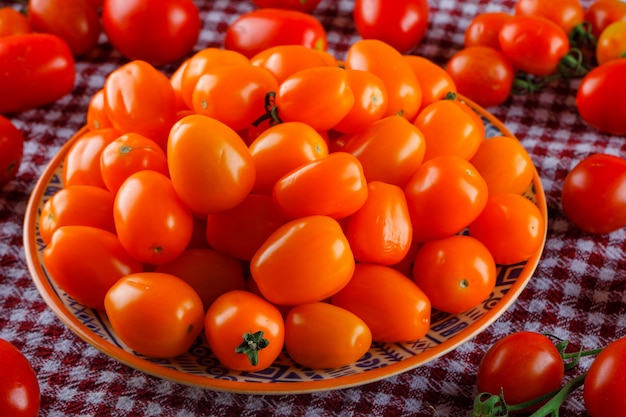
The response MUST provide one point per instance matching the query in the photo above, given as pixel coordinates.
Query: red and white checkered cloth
(577, 292)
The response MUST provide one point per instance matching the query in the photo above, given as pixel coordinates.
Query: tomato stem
(582, 35)
(251, 345)
(271, 111)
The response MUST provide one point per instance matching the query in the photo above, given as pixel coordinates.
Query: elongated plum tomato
(13, 22)
(82, 162)
(605, 379)
(300, 5)
(435, 83)
(155, 314)
(612, 43)
(21, 393)
(210, 165)
(11, 150)
(285, 60)
(565, 13)
(601, 13)
(484, 29)
(305, 260)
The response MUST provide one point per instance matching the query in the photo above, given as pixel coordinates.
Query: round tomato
(612, 43)
(155, 314)
(565, 13)
(305, 260)
(285, 60)
(82, 162)
(593, 196)
(603, 390)
(435, 83)
(456, 273)
(96, 113)
(20, 394)
(401, 23)
(13, 22)
(300, 5)
(601, 13)
(522, 366)
(156, 32)
(11, 150)
(102, 259)
(260, 29)
(35, 69)
(244, 331)
(444, 196)
(484, 29)
(392, 306)
(205, 154)
(483, 74)
(322, 335)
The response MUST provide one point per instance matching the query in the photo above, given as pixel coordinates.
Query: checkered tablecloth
(577, 292)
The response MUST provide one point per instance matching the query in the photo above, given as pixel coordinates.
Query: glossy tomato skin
(593, 197)
(20, 393)
(435, 83)
(103, 260)
(484, 29)
(96, 113)
(601, 99)
(601, 13)
(603, 390)
(305, 260)
(13, 22)
(285, 60)
(35, 69)
(565, 13)
(82, 162)
(236, 313)
(162, 332)
(301, 5)
(11, 150)
(322, 335)
(260, 29)
(156, 32)
(612, 43)
(401, 23)
(523, 365)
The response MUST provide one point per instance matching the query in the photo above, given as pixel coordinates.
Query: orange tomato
(484, 29)
(435, 83)
(96, 113)
(612, 43)
(285, 60)
(176, 80)
(82, 162)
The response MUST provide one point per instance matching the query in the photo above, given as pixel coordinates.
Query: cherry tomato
(128, 154)
(285, 60)
(35, 69)
(484, 29)
(534, 44)
(158, 33)
(282, 148)
(263, 28)
(13, 22)
(601, 97)
(334, 186)
(483, 74)
(565, 13)
(593, 196)
(603, 390)
(390, 142)
(176, 80)
(404, 93)
(435, 83)
(140, 99)
(300, 5)
(205, 154)
(19, 387)
(162, 332)
(96, 113)
(504, 164)
(612, 43)
(102, 259)
(305, 260)
(11, 150)
(256, 218)
(456, 273)
(601, 13)
(523, 366)
(238, 313)
(82, 162)
(401, 23)
(392, 306)
(84, 205)
(444, 196)
(321, 335)
(75, 21)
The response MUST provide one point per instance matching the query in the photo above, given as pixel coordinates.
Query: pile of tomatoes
(285, 197)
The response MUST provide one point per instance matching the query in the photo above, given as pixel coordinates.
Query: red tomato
(435, 83)
(392, 306)
(401, 23)
(523, 366)
(13, 22)
(444, 196)
(156, 32)
(456, 273)
(96, 112)
(84, 205)
(140, 99)
(601, 97)
(305, 260)
(238, 313)
(260, 29)
(601, 13)
(565, 13)
(19, 387)
(205, 154)
(612, 43)
(484, 29)
(603, 390)
(300, 5)
(483, 74)
(75, 21)
(11, 150)
(285, 60)
(534, 44)
(82, 162)
(333, 186)
(341, 337)
(165, 331)
(35, 69)
(102, 259)
(593, 194)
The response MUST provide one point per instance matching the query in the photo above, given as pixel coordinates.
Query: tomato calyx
(251, 345)
(271, 111)
(582, 35)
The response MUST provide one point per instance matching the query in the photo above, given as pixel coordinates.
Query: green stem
(251, 345)
(552, 406)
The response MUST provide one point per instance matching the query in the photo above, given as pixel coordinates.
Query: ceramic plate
(200, 368)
